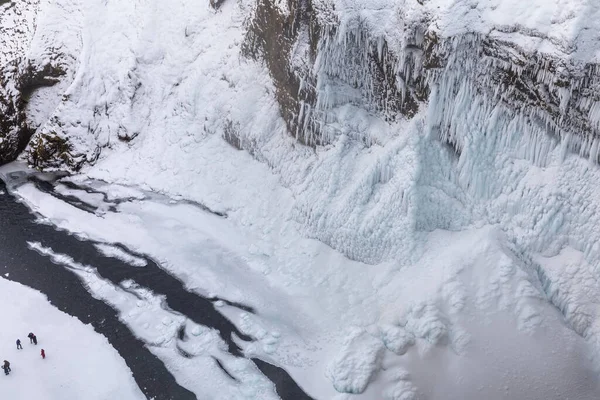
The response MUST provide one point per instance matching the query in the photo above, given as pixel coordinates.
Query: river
(18, 262)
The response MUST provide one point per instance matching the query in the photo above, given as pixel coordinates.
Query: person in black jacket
(32, 338)
(19, 344)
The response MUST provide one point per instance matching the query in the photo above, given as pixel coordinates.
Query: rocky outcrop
(17, 77)
(14, 133)
(18, 81)
(277, 37)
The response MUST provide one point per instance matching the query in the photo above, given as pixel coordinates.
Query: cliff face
(32, 66)
(317, 65)
(22, 79)
(384, 60)
(320, 60)
(15, 31)
(443, 93)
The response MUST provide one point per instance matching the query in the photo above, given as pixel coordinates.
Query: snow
(149, 319)
(118, 253)
(391, 264)
(79, 363)
(17, 27)
(552, 26)
(117, 192)
(358, 360)
(571, 281)
(466, 317)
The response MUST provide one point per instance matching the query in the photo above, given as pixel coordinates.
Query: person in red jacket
(43, 353)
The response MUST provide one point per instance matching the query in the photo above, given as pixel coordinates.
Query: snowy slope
(466, 318)
(79, 363)
(17, 27)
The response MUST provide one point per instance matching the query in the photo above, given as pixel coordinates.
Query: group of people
(32, 340)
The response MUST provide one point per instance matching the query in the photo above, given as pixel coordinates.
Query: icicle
(380, 43)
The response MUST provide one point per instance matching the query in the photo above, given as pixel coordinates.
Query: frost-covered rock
(358, 360)
(33, 63)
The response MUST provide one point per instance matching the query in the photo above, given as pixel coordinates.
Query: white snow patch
(79, 364)
(358, 360)
(118, 253)
(467, 316)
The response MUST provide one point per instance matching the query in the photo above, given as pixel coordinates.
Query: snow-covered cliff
(331, 65)
(364, 124)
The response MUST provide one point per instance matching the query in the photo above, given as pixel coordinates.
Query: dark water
(18, 226)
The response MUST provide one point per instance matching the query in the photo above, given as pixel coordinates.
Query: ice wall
(333, 66)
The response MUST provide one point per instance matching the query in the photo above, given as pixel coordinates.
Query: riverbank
(161, 328)
(467, 318)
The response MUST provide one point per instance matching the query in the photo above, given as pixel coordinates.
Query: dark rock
(271, 37)
(19, 79)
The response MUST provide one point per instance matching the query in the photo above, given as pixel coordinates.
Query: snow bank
(118, 253)
(79, 363)
(149, 319)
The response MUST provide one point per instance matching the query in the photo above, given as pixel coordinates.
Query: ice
(116, 192)
(94, 199)
(145, 314)
(465, 302)
(118, 253)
